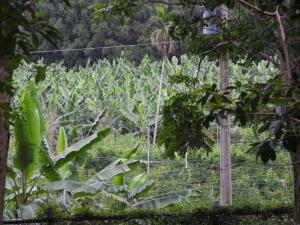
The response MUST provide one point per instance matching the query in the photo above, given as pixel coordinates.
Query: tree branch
(284, 45)
(269, 58)
(166, 2)
(256, 8)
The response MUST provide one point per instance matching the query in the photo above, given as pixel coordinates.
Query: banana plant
(138, 187)
(99, 184)
(32, 160)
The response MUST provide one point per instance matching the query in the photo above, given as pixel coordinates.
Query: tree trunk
(296, 170)
(159, 98)
(5, 76)
(289, 67)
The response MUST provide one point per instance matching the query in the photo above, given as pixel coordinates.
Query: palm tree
(162, 41)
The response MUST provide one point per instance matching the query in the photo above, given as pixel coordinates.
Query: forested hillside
(79, 29)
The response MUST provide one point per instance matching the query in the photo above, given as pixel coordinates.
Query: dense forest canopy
(78, 28)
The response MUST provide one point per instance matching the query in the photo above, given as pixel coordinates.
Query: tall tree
(21, 27)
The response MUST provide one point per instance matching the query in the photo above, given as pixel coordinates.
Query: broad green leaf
(118, 179)
(62, 142)
(160, 10)
(27, 136)
(140, 189)
(11, 173)
(79, 148)
(105, 186)
(132, 152)
(137, 180)
(46, 164)
(110, 172)
(69, 185)
(35, 97)
(76, 187)
(99, 6)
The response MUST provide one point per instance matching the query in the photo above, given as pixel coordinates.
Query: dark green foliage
(261, 106)
(22, 27)
(264, 150)
(183, 125)
(291, 141)
(78, 28)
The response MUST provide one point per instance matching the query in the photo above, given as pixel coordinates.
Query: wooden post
(225, 156)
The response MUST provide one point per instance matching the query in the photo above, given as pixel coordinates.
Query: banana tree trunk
(5, 75)
(159, 98)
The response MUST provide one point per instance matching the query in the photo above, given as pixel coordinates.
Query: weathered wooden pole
(224, 135)
(225, 155)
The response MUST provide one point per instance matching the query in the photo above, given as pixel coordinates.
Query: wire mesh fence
(253, 183)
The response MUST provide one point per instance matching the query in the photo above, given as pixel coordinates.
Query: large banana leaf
(46, 164)
(27, 132)
(108, 187)
(119, 179)
(79, 148)
(76, 187)
(140, 189)
(137, 180)
(62, 144)
(96, 183)
(36, 100)
(139, 185)
(70, 186)
(132, 152)
(163, 201)
(10, 173)
(110, 172)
